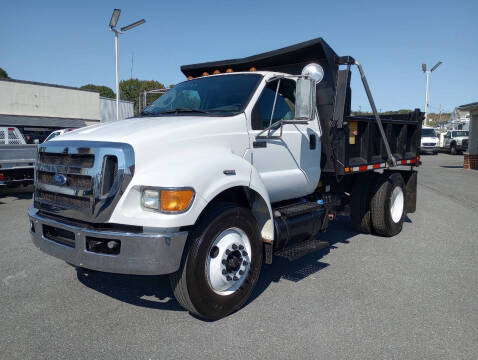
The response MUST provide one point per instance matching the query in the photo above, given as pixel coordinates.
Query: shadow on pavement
(155, 292)
(152, 292)
(20, 193)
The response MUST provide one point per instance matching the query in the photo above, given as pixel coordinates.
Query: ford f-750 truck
(247, 159)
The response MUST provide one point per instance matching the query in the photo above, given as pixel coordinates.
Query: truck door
(290, 165)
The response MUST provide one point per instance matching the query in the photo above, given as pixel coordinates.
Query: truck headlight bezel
(167, 200)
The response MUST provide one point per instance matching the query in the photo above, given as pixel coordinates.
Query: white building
(39, 108)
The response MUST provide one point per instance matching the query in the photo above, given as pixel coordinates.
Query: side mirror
(305, 99)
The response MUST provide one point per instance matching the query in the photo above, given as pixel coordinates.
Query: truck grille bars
(82, 179)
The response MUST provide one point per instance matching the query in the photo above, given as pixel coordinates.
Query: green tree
(3, 74)
(131, 90)
(104, 91)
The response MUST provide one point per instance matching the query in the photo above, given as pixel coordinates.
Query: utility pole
(427, 95)
(113, 22)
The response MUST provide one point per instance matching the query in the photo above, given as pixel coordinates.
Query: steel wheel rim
(228, 261)
(397, 204)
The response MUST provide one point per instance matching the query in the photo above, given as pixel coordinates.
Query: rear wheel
(388, 204)
(222, 264)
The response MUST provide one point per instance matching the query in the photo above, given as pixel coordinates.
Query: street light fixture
(427, 96)
(113, 22)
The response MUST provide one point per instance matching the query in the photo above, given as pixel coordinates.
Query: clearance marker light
(252, 69)
(216, 72)
(190, 78)
(205, 73)
(229, 71)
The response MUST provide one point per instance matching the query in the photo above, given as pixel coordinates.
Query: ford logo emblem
(59, 179)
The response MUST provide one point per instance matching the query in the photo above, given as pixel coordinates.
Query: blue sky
(68, 42)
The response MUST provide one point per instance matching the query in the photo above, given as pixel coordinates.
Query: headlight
(170, 200)
(150, 199)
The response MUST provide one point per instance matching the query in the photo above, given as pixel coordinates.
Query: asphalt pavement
(413, 296)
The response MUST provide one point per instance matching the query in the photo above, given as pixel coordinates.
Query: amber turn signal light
(176, 200)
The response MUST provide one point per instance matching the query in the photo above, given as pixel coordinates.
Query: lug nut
(235, 278)
(245, 263)
(244, 253)
(224, 262)
(224, 272)
(228, 252)
(241, 272)
(234, 246)
(228, 278)
(241, 247)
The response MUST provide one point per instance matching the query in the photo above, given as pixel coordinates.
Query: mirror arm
(274, 105)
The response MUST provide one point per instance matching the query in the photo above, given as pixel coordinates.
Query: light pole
(427, 95)
(114, 20)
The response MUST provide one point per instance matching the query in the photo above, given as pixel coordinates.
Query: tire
(389, 190)
(360, 206)
(453, 149)
(192, 284)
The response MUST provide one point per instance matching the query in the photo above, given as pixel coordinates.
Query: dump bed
(349, 143)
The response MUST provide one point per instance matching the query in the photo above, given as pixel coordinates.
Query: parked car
(234, 165)
(429, 141)
(17, 158)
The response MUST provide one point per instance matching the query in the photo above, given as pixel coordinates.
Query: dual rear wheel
(379, 204)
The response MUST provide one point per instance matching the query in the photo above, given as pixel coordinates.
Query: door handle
(259, 144)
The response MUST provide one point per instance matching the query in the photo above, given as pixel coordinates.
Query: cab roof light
(216, 72)
(205, 73)
(190, 77)
(229, 70)
(253, 69)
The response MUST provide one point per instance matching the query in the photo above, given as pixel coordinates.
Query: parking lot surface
(414, 296)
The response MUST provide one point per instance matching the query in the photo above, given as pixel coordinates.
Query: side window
(285, 104)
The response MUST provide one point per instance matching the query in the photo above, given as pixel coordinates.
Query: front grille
(78, 202)
(77, 160)
(82, 180)
(428, 144)
(78, 182)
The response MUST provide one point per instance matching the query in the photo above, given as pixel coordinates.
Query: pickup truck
(246, 160)
(455, 141)
(17, 158)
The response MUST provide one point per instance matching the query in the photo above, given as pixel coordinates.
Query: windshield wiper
(178, 110)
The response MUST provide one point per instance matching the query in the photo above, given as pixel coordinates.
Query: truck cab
(240, 162)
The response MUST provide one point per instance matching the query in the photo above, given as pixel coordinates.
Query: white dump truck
(246, 160)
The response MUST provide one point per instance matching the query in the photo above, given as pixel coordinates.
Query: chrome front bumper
(140, 253)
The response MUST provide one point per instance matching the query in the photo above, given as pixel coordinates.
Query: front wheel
(222, 263)
(453, 150)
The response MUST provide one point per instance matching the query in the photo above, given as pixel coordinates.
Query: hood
(429, 139)
(136, 131)
(171, 138)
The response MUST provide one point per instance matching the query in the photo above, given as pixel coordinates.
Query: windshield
(216, 95)
(459, 133)
(428, 133)
(52, 135)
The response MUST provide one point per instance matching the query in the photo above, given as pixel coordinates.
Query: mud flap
(411, 192)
